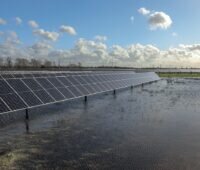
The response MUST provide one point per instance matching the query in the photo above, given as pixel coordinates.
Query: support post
(114, 92)
(131, 87)
(27, 115)
(85, 98)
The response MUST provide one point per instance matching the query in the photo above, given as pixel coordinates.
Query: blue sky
(105, 17)
(110, 18)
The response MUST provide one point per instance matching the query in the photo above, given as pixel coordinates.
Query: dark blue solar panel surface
(55, 82)
(18, 85)
(3, 107)
(32, 84)
(44, 96)
(55, 94)
(13, 101)
(44, 83)
(66, 92)
(20, 91)
(30, 98)
(5, 88)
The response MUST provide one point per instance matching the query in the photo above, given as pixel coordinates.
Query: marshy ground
(148, 128)
(179, 74)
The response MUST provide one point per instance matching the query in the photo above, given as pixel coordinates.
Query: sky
(139, 33)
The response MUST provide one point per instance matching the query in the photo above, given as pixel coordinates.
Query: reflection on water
(152, 127)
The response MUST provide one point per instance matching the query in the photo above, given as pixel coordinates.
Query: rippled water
(155, 127)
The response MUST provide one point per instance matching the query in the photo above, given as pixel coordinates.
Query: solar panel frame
(73, 80)
(55, 94)
(3, 106)
(88, 79)
(28, 75)
(18, 85)
(44, 83)
(7, 76)
(32, 84)
(83, 89)
(96, 88)
(55, 82)
(66, 92)
(44, 96)
(98, 82)
(64, 81)
(5, 88)
(81, 80)
(102, 86)
(30, 98)
(75, 91)
(14, 101)
(90, 88)
(18, 76)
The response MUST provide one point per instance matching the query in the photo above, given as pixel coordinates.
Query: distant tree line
(34, 63)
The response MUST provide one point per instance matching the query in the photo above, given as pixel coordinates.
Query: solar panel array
(21, 91)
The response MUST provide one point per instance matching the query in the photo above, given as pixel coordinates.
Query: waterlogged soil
(148, 128)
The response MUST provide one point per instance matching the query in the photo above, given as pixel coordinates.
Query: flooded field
(152, 127)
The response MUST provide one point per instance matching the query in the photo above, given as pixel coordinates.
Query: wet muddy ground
(155, 127)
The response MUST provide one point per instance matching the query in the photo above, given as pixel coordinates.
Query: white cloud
(18, 20)
(159, 20)
(193, 47)
(39, 50)
(144, 11)
(2, 21)
(52, 36)
(96, 53)
(100, 38)
(119, 52)
(68, 29)
(33, 24)
(11, 37)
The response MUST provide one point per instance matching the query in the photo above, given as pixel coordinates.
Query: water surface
(152, 127)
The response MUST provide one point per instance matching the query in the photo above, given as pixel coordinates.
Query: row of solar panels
(6, 75)
(21, 93)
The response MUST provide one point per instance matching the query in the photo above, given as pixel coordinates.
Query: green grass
(179, 75)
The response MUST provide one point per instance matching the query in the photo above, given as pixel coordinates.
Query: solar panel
(95, 79)
(27, 75)
(27, 90)
(44, 83)
(90, 88)
(81, 80)
(44, 96)
(97, 88)
(65, 81)
(5, 88)
(55, 94)
(3, 107)
(75, 91)
(32, 84)
(73, 80)
(18, 85)
(83, 89)
(30, 98)
(55, 82)
(66, 92)
(7, 76)
(18, 76)
(14, 101)
(102, 87)
(88, 79)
